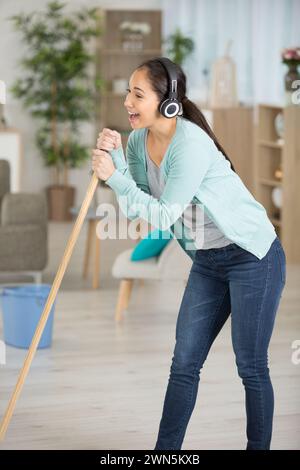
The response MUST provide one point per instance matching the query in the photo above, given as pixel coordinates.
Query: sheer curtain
(259, 30)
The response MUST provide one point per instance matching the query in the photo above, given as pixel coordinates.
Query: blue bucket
(22, 307)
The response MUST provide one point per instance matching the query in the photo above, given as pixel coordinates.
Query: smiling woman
(147, 91)
(238, 261)
(138, 94)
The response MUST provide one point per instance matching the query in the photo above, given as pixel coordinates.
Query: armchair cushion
(24, 208)
(152, 245)
(23, 248)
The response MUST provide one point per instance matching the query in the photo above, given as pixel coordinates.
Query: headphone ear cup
(162, 107)
(169, 108)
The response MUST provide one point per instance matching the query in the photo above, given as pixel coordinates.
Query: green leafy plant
(57, 85)
(178, 46)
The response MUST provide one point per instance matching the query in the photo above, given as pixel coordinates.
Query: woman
(238, 261)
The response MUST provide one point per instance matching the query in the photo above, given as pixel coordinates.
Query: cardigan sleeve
(133, 171)
(189, 161)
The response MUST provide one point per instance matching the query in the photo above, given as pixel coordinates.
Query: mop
(51, 297)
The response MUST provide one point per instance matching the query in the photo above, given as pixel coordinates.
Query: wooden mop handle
(51, 297)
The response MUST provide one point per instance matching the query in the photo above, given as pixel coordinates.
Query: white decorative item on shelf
(279, 126)
(223, 92)
(135, 27)
(133, 35)
(277, 197)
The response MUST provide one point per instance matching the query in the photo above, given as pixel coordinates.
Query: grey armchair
(23, 229)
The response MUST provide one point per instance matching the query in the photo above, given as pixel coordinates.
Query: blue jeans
(223, 281)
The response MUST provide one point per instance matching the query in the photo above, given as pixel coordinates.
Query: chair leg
(123, 298)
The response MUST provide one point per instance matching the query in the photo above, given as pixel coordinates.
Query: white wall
(259, 28)
(35, 175)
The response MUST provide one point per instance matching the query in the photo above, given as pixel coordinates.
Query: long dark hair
(159, 82)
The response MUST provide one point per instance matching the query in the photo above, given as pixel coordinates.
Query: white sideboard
(11, 150)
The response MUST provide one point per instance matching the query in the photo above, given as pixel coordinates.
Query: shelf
(271, 144)
(154, 52)
(269, 182)
(271, 106)
(114, 61)
(270, 156)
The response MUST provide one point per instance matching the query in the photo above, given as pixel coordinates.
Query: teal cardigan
(195, 171)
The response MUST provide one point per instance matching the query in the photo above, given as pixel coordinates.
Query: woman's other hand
(102, 164)
(109, 140)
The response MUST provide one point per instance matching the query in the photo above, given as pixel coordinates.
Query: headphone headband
(172, 75)
(170, 107)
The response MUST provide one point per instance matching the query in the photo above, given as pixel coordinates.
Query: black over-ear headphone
(170, 107)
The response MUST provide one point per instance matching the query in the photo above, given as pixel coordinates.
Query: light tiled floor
(102, 385)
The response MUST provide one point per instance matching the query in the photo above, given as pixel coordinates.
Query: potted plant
(291, 57)
(178, 46)
(58, 89)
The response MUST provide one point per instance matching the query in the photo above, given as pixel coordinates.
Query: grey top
(201, 228)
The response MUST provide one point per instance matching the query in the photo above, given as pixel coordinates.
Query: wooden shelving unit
(277, 165)
(113, 61)
(233, 128)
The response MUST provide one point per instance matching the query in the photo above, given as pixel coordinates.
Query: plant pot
(60, 200)
(291, 75)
